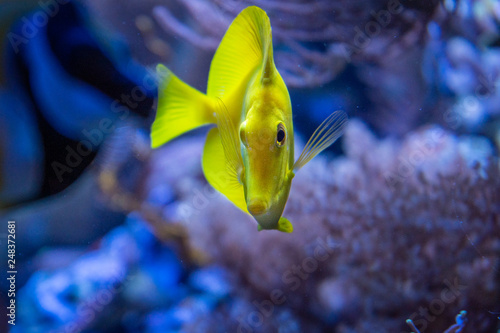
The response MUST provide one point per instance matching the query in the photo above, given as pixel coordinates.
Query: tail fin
(181, 108)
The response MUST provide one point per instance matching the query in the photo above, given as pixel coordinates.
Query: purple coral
(387, 229)
(390, 231)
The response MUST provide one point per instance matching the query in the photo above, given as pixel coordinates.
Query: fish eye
(281, 135)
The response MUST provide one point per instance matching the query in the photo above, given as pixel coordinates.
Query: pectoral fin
(326, 134)
(229, 140)
(216, 173)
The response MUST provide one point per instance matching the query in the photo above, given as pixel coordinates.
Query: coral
(391, 231)
(388, 229)
(396, 66)
(456, 82)
(130, 271)
(460, 322)
(314, 40)
(324, 36)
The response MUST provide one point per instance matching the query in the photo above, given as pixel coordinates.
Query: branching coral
(460, 322)
(410, 62)
(455, 83)
(314, 40)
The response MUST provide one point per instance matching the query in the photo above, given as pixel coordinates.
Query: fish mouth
(257, 206)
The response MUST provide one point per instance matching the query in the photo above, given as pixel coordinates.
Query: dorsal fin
(268, 68)
(240, 53)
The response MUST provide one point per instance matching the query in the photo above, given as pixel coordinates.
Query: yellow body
(268, 165)
(249, 155)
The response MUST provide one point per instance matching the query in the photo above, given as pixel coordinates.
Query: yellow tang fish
(249, 155)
